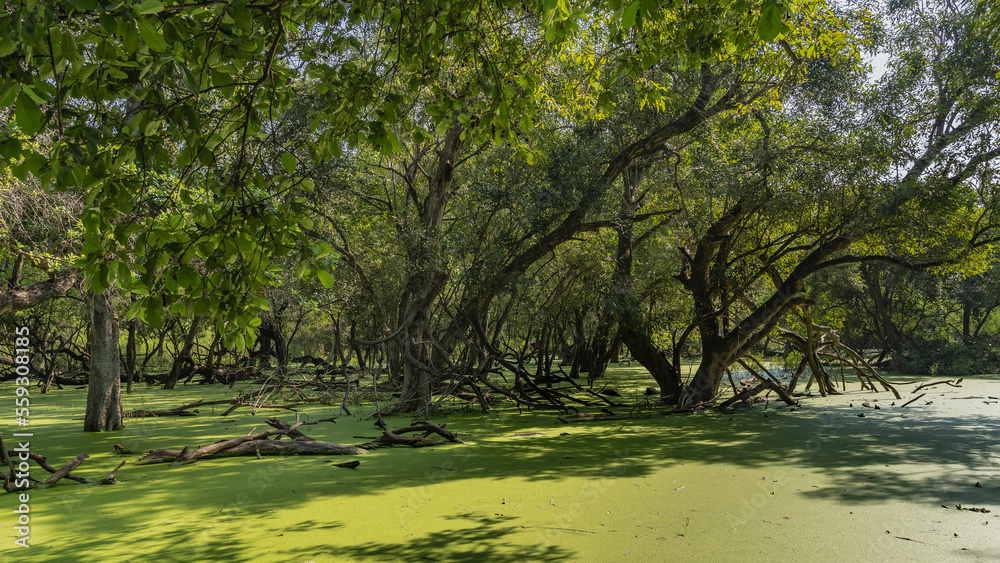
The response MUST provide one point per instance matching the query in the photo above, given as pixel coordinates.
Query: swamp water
(816, 483)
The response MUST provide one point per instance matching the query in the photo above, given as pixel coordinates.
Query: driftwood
(255, 444)
(65, 472)
(348, 464)
(744, 394)
(911, 400)
(294, 433)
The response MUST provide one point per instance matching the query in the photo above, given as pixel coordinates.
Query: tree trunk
(130, 355)
(717, 355)
(104, 400)
(420, 361)
(634, 333)
(422, 354)
(183, 364)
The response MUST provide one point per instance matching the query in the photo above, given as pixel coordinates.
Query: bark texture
(104, 394)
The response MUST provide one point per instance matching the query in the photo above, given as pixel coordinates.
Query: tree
(160, 115)
(919, 198)
(104, 402)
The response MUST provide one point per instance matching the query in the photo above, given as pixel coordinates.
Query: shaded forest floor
(818, 482)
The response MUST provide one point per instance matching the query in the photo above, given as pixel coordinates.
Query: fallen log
(347, 464)
(773, 384)
(429, 428)
(40, 460)
(178, 411)
(294, 433)
(65, 469)
(390, 437)
(258, 447)
(948, 382)
(743, 395)
(183, 410)
(255, 444)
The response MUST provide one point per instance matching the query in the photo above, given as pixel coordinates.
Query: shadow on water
(486, 541)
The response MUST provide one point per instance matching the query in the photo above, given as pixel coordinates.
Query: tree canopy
(429, 163)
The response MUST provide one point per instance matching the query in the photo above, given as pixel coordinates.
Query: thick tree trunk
(104, 400)
(633, 332)
(704, 386)
(272, 323)
(656, 361)
(421, 363)
(422, 354)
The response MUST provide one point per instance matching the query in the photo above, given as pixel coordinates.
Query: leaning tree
(900, 171)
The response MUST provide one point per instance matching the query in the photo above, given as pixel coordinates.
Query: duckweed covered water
(816, 482)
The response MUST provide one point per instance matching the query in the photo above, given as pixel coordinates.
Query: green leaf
(8, 94)
(10, 148)
(288, 161)
(325, 278)
(189, 80)
(769, 25)
(7, 46)
(149, 7)
(137, 310)
(629, 15)
(29, 117)
(151, 36)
